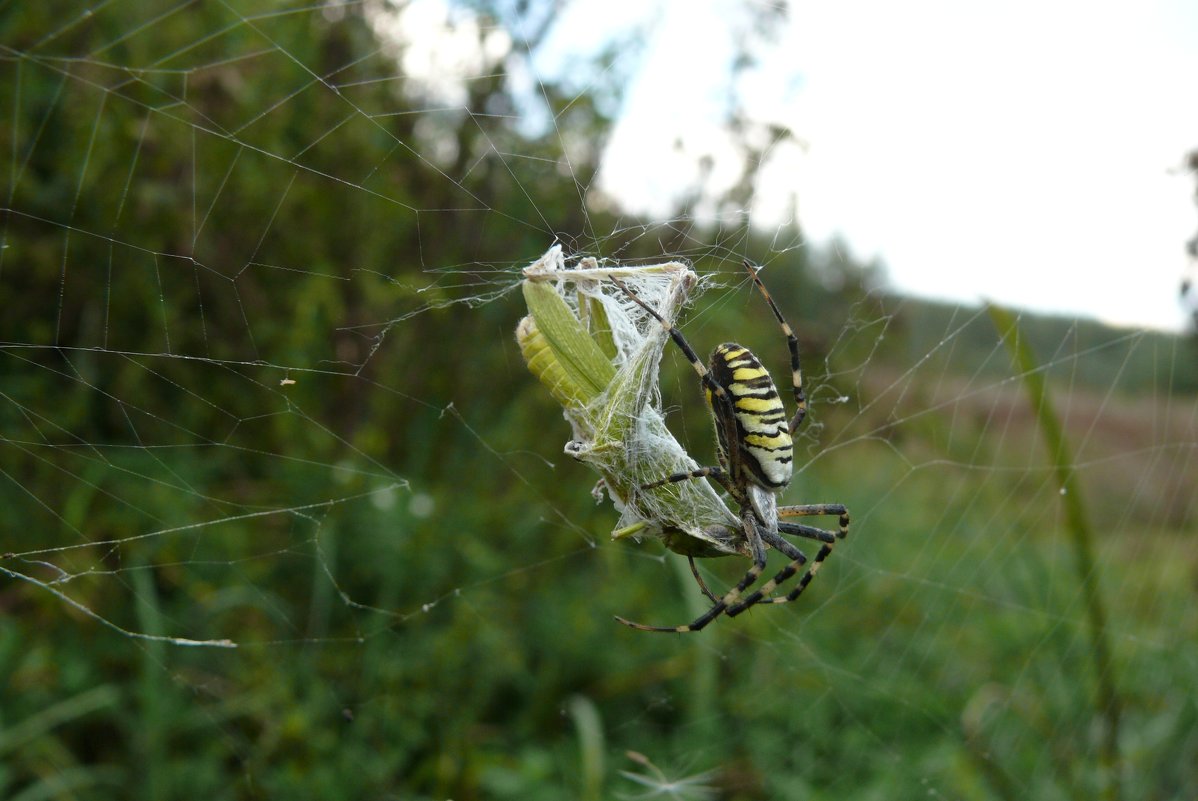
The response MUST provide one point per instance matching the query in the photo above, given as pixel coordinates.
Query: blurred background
(284, 514)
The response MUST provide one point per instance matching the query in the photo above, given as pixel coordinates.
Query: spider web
(284, 509)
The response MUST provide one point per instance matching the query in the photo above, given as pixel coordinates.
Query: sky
(1029, 153)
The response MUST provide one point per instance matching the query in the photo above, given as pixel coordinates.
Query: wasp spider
(756, 454)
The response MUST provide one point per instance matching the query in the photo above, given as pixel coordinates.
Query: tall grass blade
(1107, 701)
(590, 745)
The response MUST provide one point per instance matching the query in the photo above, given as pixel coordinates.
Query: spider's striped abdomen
(763, 434)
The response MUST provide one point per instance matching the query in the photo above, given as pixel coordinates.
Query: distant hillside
(1081, 351)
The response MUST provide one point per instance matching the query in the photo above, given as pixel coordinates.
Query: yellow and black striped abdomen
(763, 434)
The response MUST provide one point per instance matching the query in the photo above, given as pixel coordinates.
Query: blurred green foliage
(203, 201)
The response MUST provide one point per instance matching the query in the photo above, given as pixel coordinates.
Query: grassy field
(452, 637)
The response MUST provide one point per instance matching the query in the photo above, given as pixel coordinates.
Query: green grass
(946, 647)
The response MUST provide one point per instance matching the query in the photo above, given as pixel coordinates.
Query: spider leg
(789, 571)
(810, 532)
(717, 473)
(757, 545)
(699, 579)
(761, 595)
(798, 559)
(796, 372)
(818, 510)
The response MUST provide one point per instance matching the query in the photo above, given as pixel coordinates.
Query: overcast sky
(1026, 152)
